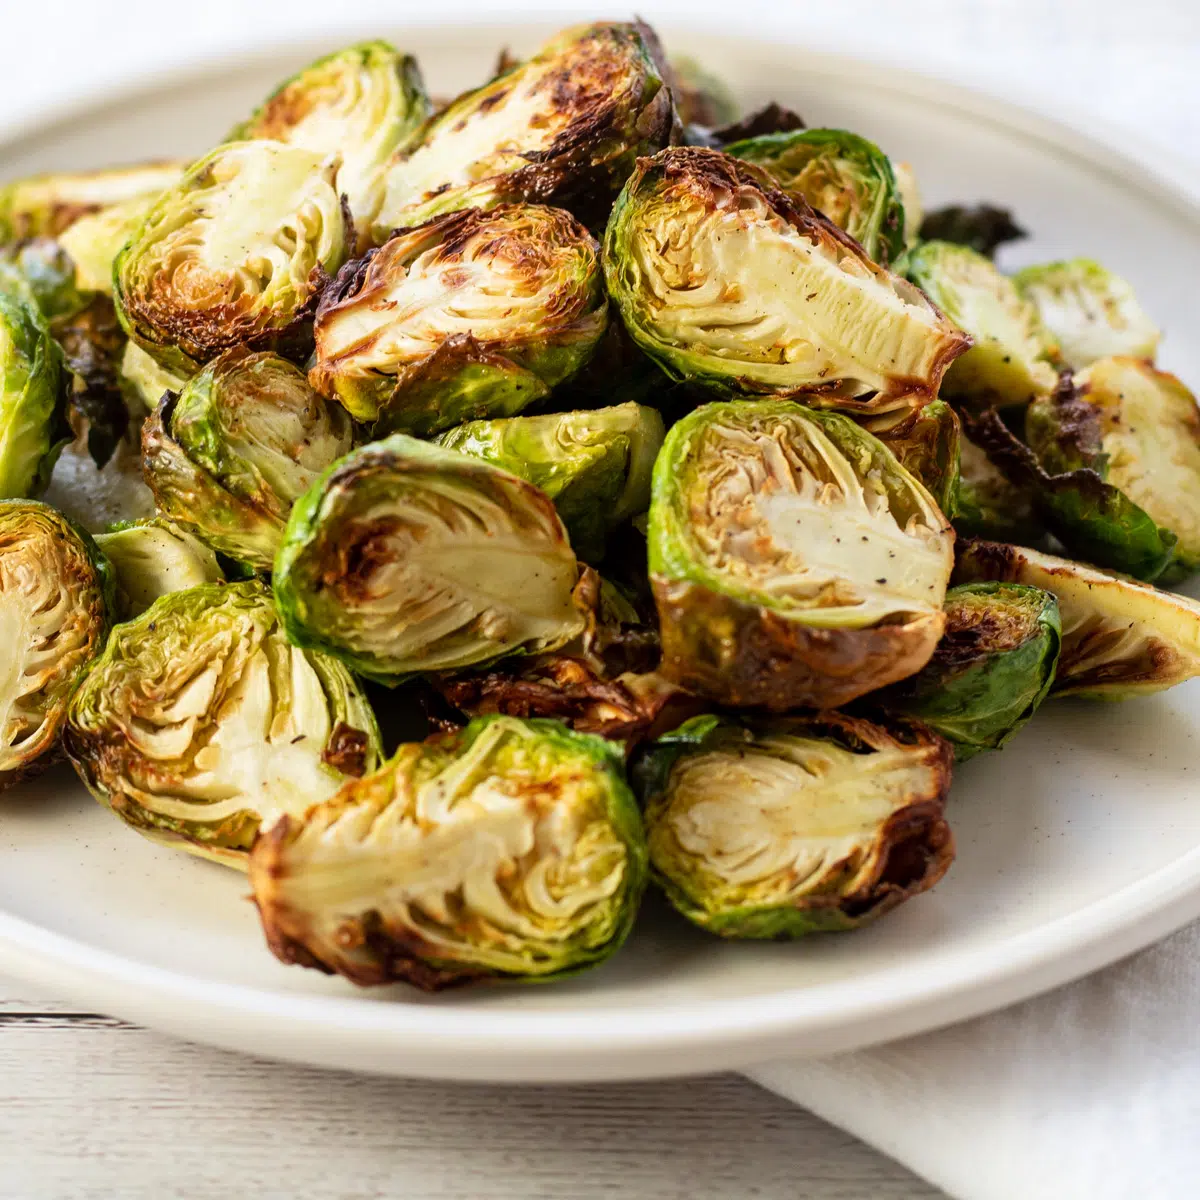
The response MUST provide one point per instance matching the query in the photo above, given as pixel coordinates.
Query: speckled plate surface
(1078, 844)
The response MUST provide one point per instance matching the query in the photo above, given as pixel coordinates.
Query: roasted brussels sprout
(1010, 361)
(33, 425)
(405, 557)
(1090, 312)
(982, 227)
(770, 118)
(144, 381)
(910, 199)
(729, 283)
(794, 561)
(228, 455)
(511, 848)
(991, 670)
(1120, 638)
(237, 253)
(365, 103)
(925, 442)
(199, 725)
(701, 98)
(595, 466)
(990, 504)
(48, 270)
(55, 598)
(471, 315)
(840, 174)
(153, 558)
(47, 205)
(795, 825)
(93, 242)
(564, 128)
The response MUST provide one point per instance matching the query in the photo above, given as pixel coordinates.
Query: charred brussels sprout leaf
(795, 825)
(365, 103)
(55, 599)
(840, 174)
(229, 454)
(595, 466)
(794, 561)
(770, 118)
(982, 227)
(925, 442)
(563, 128)
(1120, 638)
(1091, 312)
(237, 253)
(472, 315)
(511, 848)
(1010, 361)
(153, 558)
(730, 284)
(991, 670)
(405, 557)
(47, 205)
(200, 723)
(33, 425)
(989, 503)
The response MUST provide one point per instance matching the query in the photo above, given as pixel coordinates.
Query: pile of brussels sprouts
(682, 502)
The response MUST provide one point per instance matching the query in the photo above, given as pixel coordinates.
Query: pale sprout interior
(153, 561)
(456, 568)
(780, 509)
(732, 279)
(504, 853)
(785, 817)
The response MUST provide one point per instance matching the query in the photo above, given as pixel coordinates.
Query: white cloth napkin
(1090, 1091)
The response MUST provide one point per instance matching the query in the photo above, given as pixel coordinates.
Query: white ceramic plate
(1077, 845)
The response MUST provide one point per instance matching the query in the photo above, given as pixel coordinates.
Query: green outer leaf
(857, 175)
(977, 696)
(50, 274)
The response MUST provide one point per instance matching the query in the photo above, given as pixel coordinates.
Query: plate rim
(454, 1043)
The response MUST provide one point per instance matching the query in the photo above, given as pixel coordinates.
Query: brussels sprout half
(471, 315)
(563, 128)
(365, 103)
(405, 557)
(33, 383)
(93, 242)
(787, 826)
(1120, 638)
(1089, 311)
(511, 848)
(1011, 359)
(991, 670)
(926, 443)
(730, 284)
(595, 466)
(48, 270)
(982, 227)
(840, 174)
(989, 503)
(910, 200)
(56, 595)
(229, 454)
(237, 253)
(200, 723)
(153, 558)
(794, 561)
(47, 205)
(144, 381)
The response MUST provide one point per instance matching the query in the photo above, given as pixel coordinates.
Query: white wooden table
(91, 1107)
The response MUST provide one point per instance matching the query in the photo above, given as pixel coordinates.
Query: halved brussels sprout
(471, 315)
(93, 242)
(564, 128)
(910, 199)
(701, 98)
(145, 380)
(56, 593)
(1120, 638)
(511, 848)
(990, 504)
(1011, 359)
(925, 442)
(1090, 312)
(728, 283)
(840, 174)
(795, 825)
(595, 466)
(243, 440)
(200, 724)
(153, 558)
(365, 103)
(794, 561)
(991, 670)
(237, 253)
(771, 117)
(48, 270)
(47, 205)
(405, 557)
(33, 383)
(982, 227)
